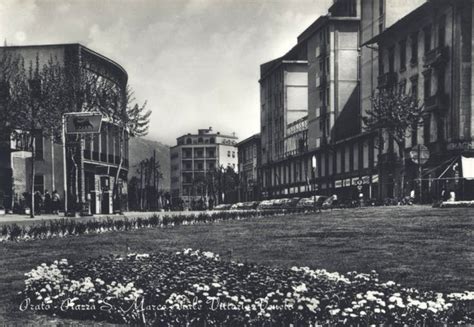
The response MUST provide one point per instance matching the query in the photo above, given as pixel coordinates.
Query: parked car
(309, 202)
(289, 203)
(236, 206)
(223, 206)
(251, 205)
(265, 204)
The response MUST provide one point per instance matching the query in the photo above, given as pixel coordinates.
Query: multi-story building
(97, 160)
(330, 130)
(344, 156)
(249, 152)
(376, 16)
(429, 54)
(194, 160)
(284, 105)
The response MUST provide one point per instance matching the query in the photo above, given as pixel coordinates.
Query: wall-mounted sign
(460, 146)
(375, 178)
(83, 123)
(338, 184)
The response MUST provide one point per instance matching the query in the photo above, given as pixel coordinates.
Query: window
(328, 97)
(327, 65)
(414, 86)
(414, 135)
(380, 60)
(188, 140)
(440, 128)
(318, 142)
(228, 154)
(427, 38)
(39, 183)
(355, 156)
(38, 145)
(233, 154)
(318, 112)
(199, 166)
(103, 143)
(212, 140)
(442, 31)
(403, 54)
(427, 84)
(414, 48)
(426, 129)
(200, 140)
(441, 77)
(381, 7)
(391, 59)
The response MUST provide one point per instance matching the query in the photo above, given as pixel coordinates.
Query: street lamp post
(314, 166)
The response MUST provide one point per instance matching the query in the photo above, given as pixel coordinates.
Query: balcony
(387, 80)
(438, 102)
(436, 57)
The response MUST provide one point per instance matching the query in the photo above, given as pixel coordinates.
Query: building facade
(283, 117)
(330, 131)
(249, 155)
(428, 53)
(194, 160)
(87, 170)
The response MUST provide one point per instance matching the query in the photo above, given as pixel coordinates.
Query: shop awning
(467, 167)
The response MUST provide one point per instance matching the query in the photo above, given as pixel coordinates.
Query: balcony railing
(438, 102)
(387, 80)
(436, 56)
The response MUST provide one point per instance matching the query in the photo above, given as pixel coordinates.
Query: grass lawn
(418, 246)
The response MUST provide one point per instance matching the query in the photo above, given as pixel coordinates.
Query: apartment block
(194, 160)
(429, 53)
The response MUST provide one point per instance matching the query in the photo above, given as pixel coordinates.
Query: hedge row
(67, 227)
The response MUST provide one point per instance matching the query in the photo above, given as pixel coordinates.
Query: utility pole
(155, 191)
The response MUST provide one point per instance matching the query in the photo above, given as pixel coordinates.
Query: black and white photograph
(237, 163)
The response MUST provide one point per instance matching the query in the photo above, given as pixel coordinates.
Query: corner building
(194, 158)
(97, 160)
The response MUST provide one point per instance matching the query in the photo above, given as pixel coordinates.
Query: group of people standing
(47, 203)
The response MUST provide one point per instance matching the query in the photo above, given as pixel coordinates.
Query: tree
(396, 114)
(92, 92)
(149, 170)
(32, 102)
(222, 184)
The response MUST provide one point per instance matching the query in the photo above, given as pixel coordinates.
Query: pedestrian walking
(55, 199)
(38, 198)
(47, 202)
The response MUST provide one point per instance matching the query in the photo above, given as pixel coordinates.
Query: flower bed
(193, 287)
(68, 227)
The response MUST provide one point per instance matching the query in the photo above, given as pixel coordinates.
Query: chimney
(210, 128)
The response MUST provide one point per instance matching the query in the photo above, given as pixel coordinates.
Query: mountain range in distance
(141, 148)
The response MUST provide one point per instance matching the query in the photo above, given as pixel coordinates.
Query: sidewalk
(25, 219)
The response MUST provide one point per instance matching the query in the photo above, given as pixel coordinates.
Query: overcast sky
(196, 62)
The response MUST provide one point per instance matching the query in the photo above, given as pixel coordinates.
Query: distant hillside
(141, 148)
